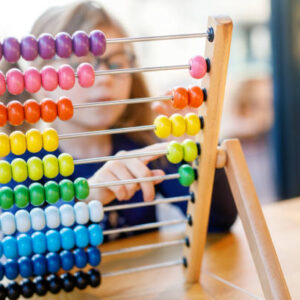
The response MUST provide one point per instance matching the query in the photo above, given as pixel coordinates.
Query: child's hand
(127, 169)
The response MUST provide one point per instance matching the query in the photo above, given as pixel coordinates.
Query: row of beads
(37, 194)
(46, 46)
(182, 97)
(188, 151)
(32, 111)
(52, 283)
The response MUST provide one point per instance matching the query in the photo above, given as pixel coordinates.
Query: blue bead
(95, 234)
(1, 271)
(94, 256)
(81, 236)
(53, 262)
(1, 249)
(10, 247)
(24, 245)
(39, 264)
(53, 240)
(39, 244)
(67, 238)
(67, 260)
(80, 258)
(11, 269)
(25, 267)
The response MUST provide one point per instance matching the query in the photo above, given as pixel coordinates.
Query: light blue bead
(81, 213)
(39, 244)
(67, 215)
(67, 238)
(8, 223)
(38, 219)
(52, 217)
(23, 222)
(95, 211)
(10, 247)
(24, 245)
(53, 241)
(95, 234)
(81, 236)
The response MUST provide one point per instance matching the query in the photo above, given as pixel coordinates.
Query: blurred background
(261, 106)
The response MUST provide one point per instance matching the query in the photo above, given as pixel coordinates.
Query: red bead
(2, 84)
(15, 81)
(180, 97)
(15, 111)
(3, 114)
(32, 111)
(65, 108)
(196, 96)
(48, 110)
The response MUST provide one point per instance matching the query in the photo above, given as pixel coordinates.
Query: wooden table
(227, 256)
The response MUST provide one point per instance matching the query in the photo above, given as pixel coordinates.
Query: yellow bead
(190, 150)
(34, 140)
(4, 144)
(163, 126)
(50, 165)
(66, 164)
(35, 168)
(19, 170)
(17, 142)
(192, 124)
(178, 125)
(50, 139)
(5, 172)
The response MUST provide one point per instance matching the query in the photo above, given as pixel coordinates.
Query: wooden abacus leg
(263, 253)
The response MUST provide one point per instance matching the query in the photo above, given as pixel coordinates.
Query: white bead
(8, 223)
(38, 220)
(23, 220)
(52, 217)
(96, 211)
(81, 213)
(67, 215)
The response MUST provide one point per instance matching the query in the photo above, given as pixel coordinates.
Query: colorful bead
(38, 219)
(94, 256)
(37, 194)
(2, 83)
(6, 197)
(11, 49)
(15, 81)
(66, 164)
(8, 223)
(19, 170)
(67, 191)
(10, 249)
(163, 126)
(196, 96)
(80, 258)
(32, 80)
(15, 113)
(4, 144)
(82, 280)
(23, 223)
(66, 77)
(24, 245)
(187, 175)
(67, 260)
(39, 263)
(48, 110)
(41, 286)
(25, 267)
(192, 122)
(53, 262)
(81, 43)
(50, 139)
(81, 213)
(97, 42)
(95, 234)
(81, 236)
(35, 168)
(11, 269)
(68, 282)
(21, 193)
(175, 152)
(178, 125)
(29, 47)
(54, 284)
(52, 217)
(46, 45)
(180, 97)
(198, 67)
(86, 75)
(49, 78)
(32, 111)
(190, 150)
(67, 238)
(94, 277)
(39, 242)
(65, 109)
(13, 290)
(34, 140)
(5, 172)
(3, 110)
(17, 142)
(51, 192)
(96, 211)
(63, 44)
(50, 165)
(27, 288)
(53, 240)
(82, 189)
(67, 215)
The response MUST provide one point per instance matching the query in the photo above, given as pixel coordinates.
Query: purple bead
(63, 43)
(97, 42)
(0, 50)
(11, 49)
(46, 46)
(29, 47)
(81, 43)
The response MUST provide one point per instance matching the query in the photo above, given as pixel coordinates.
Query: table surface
(227, 257)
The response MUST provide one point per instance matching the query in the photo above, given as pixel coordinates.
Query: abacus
(73, 233)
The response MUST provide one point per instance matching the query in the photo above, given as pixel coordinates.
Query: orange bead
(180, 97)
(48, 110)
(65, 108)
(32, 111)
(196, 96)
(3, 114)
(15, 111)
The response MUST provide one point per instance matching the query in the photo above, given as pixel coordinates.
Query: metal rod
(144, 247)
(144, 268)
(144, 226)
(142, 204)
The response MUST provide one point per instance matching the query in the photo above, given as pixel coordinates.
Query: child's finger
(158, 172)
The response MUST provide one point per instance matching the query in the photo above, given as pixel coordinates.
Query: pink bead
(49, 78)
(15, 81)
(198, 67)
(86, 75)
(66, 77)
(33, 80)
(2, 84)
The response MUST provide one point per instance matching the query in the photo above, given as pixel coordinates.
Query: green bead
(19, 170)
(5, 172)
(37, 194)
(190, 150)
(21, 196)
(82, 189)
(175, 152)
(67, 191)
(6, 197)
(187, 175)
(52, 192)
